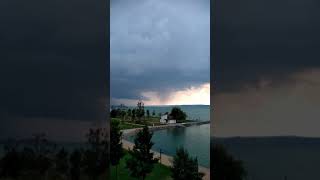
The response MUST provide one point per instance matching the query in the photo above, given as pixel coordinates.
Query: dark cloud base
(262, 39)
(54, 60)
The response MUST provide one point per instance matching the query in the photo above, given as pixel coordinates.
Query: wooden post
(160, 156)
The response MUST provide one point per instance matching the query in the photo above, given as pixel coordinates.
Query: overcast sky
(267, 68)
(53, 67)
(160, 51)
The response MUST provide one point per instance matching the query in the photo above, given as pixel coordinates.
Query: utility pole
(160, 155)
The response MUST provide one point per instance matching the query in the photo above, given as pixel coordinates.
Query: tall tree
(153, 113)
(129, 113)
(225, 166)
(148, 113)
(61, 163)
(10, 164)
(116, 151)
(75, 164)
(140, 110)
(141, 161)
(185, 167)
(113, 113)
(95, 158)
(123, 115)
(133, 117)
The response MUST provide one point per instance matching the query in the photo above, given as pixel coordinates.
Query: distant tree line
(139, 113)
(135, 114)
(40, 159)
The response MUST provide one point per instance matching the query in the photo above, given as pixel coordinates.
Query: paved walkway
(165, 159)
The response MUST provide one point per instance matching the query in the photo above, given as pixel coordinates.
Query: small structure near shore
(167, 119)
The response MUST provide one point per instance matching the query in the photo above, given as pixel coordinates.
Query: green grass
(125, 125)
(131, 125)
(160, 172)
(128, 124)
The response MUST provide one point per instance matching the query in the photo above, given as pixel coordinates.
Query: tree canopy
(185, 167)
(224, 166)
(178, 114)
(141, 161)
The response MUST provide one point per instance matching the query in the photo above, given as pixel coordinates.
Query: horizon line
(179, 105)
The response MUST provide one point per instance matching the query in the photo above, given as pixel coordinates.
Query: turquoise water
(200, 112)
(196, 139)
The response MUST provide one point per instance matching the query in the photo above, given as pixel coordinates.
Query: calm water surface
(196, 139)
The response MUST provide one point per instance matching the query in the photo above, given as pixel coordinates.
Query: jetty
(129, 132)
(187, 124)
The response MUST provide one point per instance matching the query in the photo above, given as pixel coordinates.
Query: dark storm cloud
(259, 39)
(266, 68)
(53, 59)
(158, 46)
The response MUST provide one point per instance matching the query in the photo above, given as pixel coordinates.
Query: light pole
(160, 155)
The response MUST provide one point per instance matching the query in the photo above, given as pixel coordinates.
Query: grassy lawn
(127, 124)
(160, 172)
(131, 125)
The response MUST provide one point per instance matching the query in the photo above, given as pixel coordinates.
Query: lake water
(194, 112)
(196, 139)
(275, 158)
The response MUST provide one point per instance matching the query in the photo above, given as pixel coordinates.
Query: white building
(172, 121)
(165, 119)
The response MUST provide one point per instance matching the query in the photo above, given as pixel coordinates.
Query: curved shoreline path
(165, 159)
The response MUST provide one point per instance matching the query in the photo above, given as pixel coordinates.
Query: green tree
(153, 113)
(114, 113)
(141, 161)
(225, 166)
(140, 110)
(185, 167)
(178, 114)
(38, 157)
(129, 113)
(11, 165)
(95, 158)
(148, 113)
(133, 116)
(61, 163)
(75, 164)
(34, 159)
(123, 115)
(116, 151)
